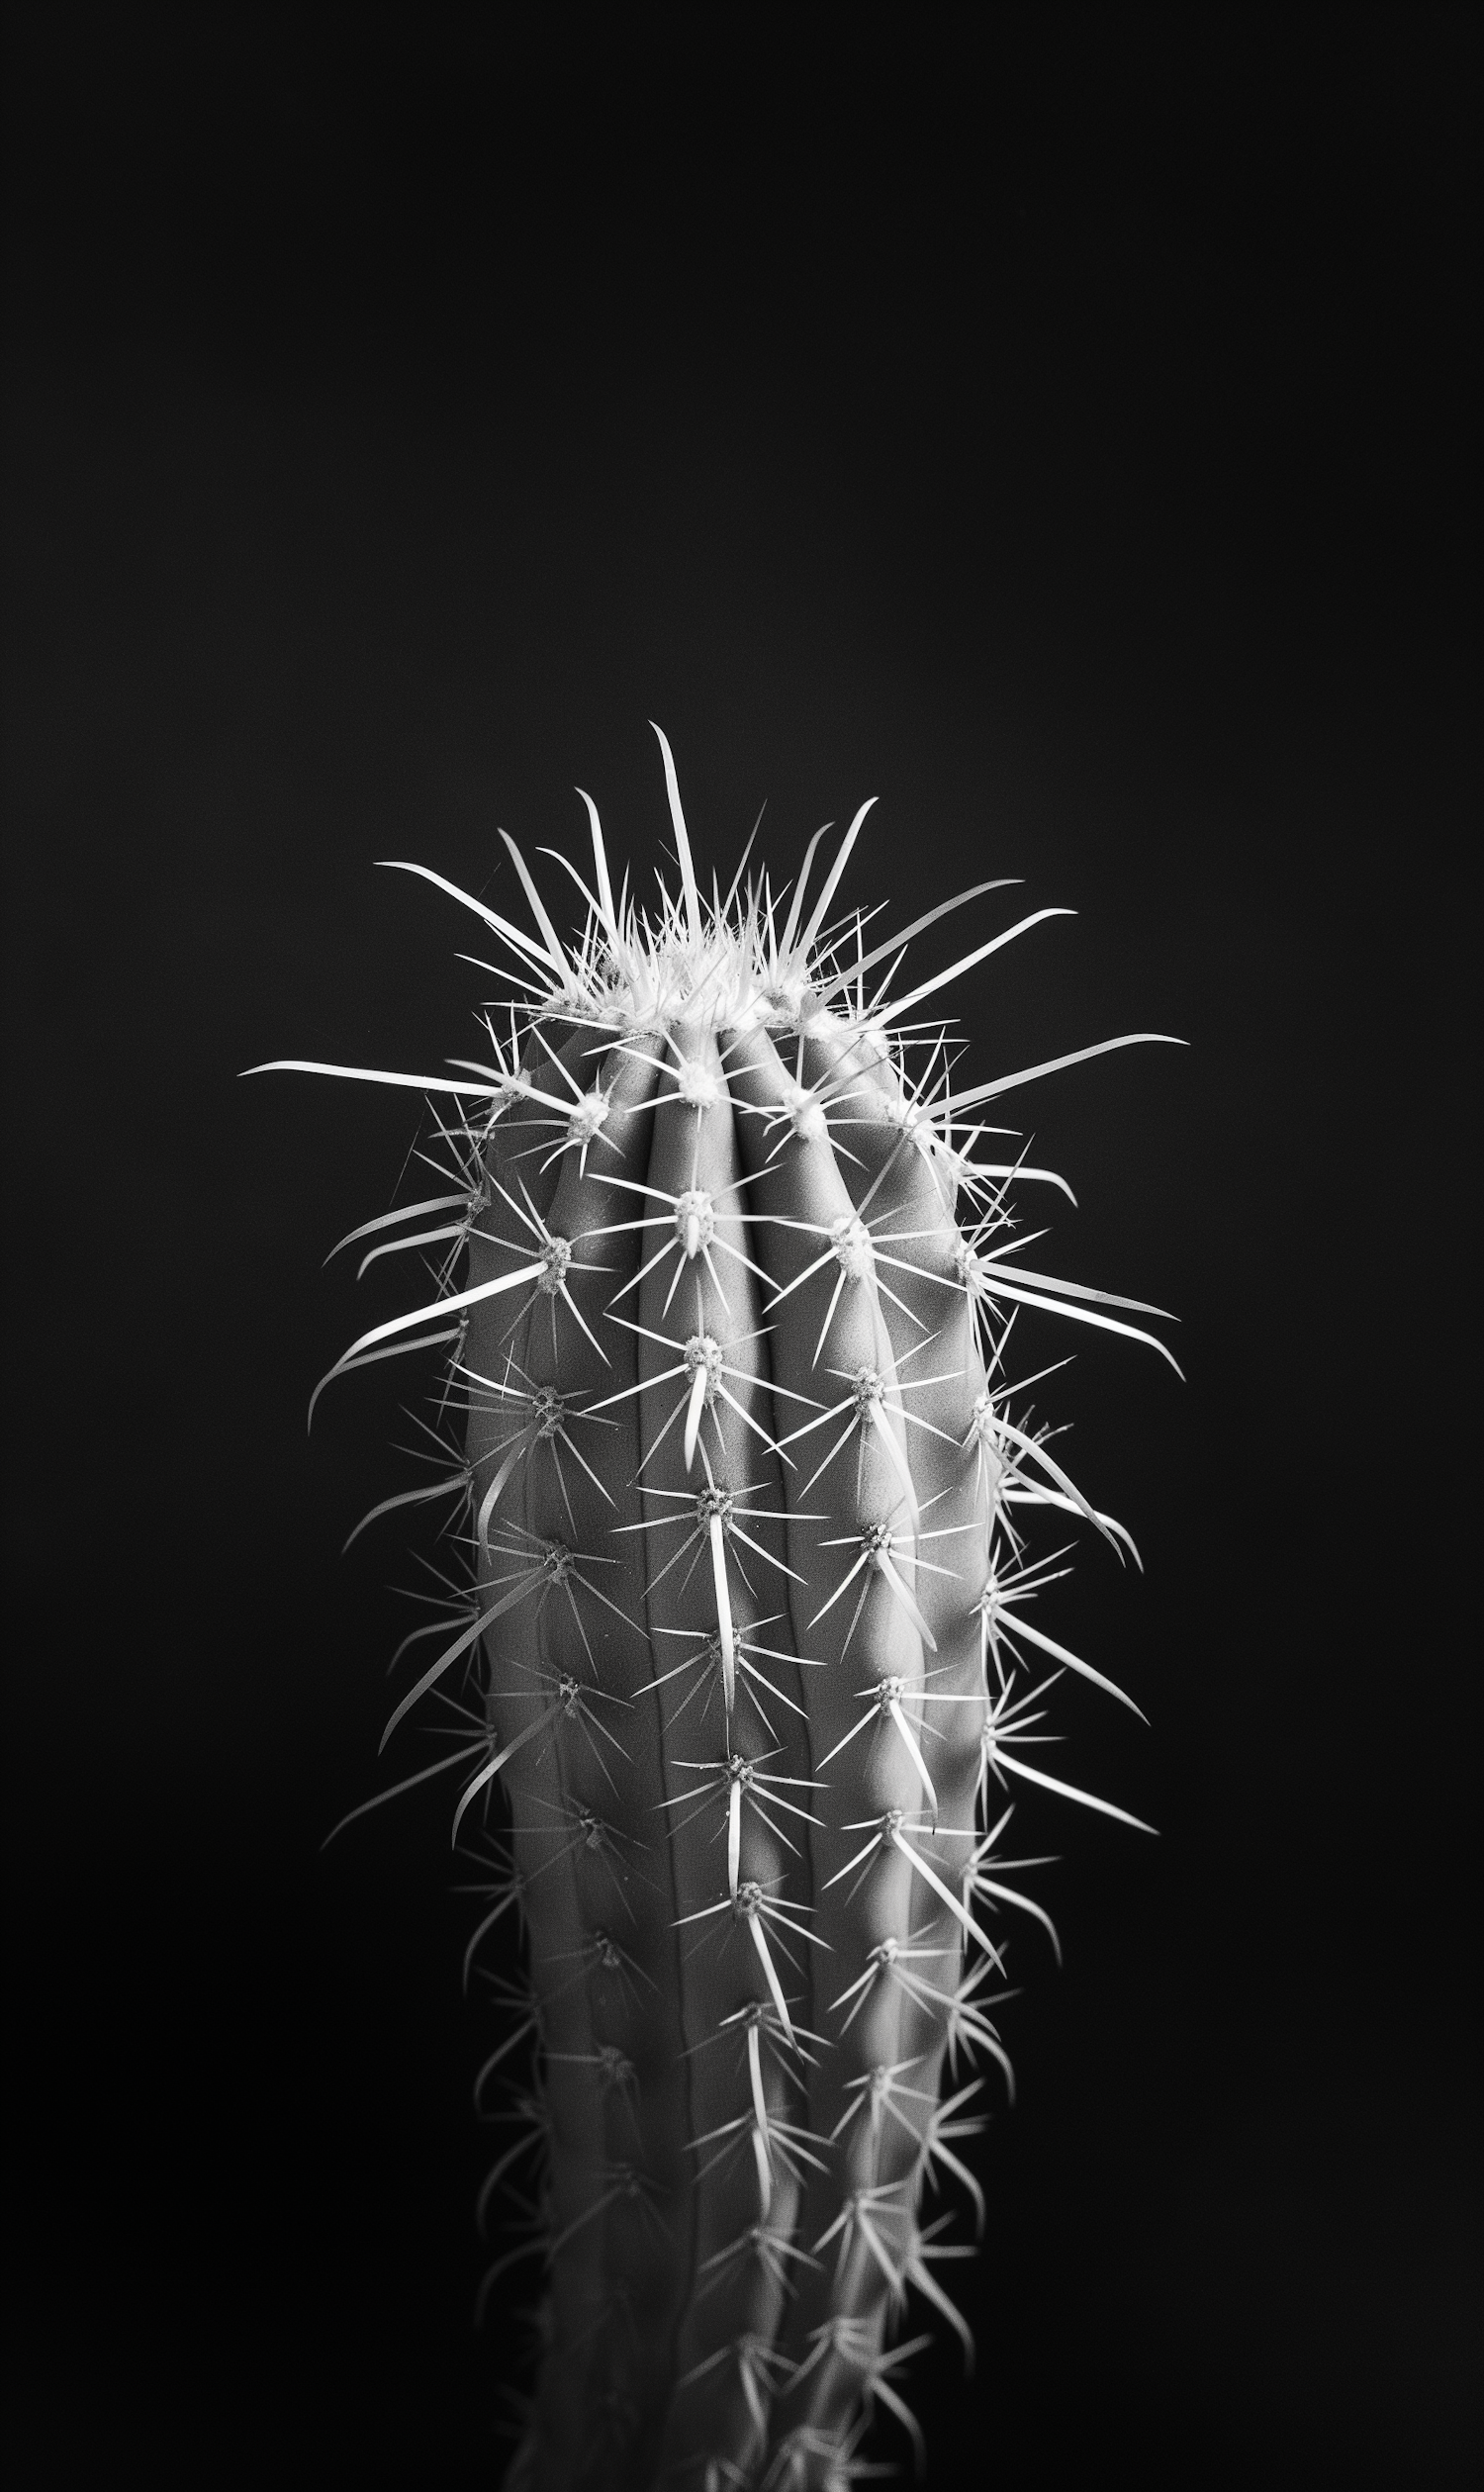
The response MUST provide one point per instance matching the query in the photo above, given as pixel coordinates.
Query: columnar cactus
(744, 1671)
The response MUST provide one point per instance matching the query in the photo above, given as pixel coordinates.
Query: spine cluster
(745, 1675)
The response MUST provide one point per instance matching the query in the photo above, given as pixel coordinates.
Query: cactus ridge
(739, 1680)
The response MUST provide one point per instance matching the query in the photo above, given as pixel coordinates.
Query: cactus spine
(724, 1299)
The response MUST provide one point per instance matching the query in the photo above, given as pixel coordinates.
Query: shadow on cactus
(726, 1278)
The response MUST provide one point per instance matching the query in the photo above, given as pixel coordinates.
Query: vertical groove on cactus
(743, 1683)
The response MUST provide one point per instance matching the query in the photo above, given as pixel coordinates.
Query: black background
(1063, 430)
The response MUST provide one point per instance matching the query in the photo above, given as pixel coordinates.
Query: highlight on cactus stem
(741, 1674)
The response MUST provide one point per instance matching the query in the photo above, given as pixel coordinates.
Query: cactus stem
(669, 2190)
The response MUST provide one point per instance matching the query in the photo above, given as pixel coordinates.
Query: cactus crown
(745, 1491)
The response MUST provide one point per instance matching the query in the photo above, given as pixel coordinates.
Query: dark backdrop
(1063, 432)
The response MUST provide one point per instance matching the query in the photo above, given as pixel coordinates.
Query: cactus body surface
(744, 1681)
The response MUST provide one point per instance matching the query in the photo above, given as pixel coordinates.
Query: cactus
(744, 1675)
